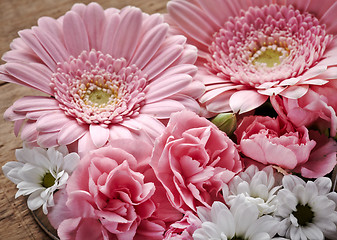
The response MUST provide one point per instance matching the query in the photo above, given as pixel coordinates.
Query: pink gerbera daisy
(251, 50)
(109, 73)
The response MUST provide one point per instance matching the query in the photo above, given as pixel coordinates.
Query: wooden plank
(15, 219)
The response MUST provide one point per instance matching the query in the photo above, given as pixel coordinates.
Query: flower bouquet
(216, 120)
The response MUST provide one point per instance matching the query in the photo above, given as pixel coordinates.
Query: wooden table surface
(16, 221)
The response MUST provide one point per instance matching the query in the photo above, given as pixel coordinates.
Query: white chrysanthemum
(241, 221)
(258, 187)
(39, 172)
(307, 210)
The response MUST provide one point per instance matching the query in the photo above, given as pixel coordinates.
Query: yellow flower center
(269, 57)
(99, 97)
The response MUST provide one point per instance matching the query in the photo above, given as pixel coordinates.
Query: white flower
(241, 221)
(258, 187)
(307, 210)
(39, 172)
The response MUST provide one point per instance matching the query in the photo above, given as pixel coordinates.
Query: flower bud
(226, 122)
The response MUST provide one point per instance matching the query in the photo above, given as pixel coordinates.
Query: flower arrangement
(216, 120)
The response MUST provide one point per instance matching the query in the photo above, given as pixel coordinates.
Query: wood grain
(15, 219)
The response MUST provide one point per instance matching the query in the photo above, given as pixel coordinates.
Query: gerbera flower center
(267, 44)
(304, 214)
(48, 180)
(95, 88)
(99, 97)
(270, 56)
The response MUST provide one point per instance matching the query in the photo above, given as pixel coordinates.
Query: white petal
(34, 201)
(70, 162)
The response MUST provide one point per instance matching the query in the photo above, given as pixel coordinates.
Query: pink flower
(271, 142)
(183, 229)
(110, 73)
(193, 159)
(251, 50)
(108, 196)
(316, 108)
(322, 159)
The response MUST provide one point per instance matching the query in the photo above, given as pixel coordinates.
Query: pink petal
(99, 134)
(17, 126)
(166, 86)
(220, 103)
(194, 90)
(217, 10)
(75, 34)
(272, 153)
(151, 21)
(329, 60)
(330, 73)
(35, 75)
(28, 131)
(192, 20)
(19, 55)
(19, 44)
(212, 91)
(35, 103)
(52, 122)
(187, 101)
(71, 132)
(188, 56)
(326, 11)
(208, 79)
(127, 34)
(319, 82)
(110, 32)
(288, 82)
(246, 100)
(31, 40)
(10, 115)
(162, 109)
(118, 131)
(47, 140)
(132, 124)
(322, 159)
(52, 27)
(94, 20)
(52, 45)
(152, 126)
(271, 91)
(79, 8)
(181, 68)
(314, 71)
(59, 212)
(85, 144)
(35, 115)
(162, 60)
(149, 45)
(295, 92)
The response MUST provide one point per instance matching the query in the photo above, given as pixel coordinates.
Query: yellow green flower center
(269, 57)
(99, 97)
(48, 180)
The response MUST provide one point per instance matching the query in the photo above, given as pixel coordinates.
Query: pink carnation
(271, 142)
(107, 196)
(322, 159)
(193, 159)
(316, 108)
(251, 50)
(110, 73)
(184, 228)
